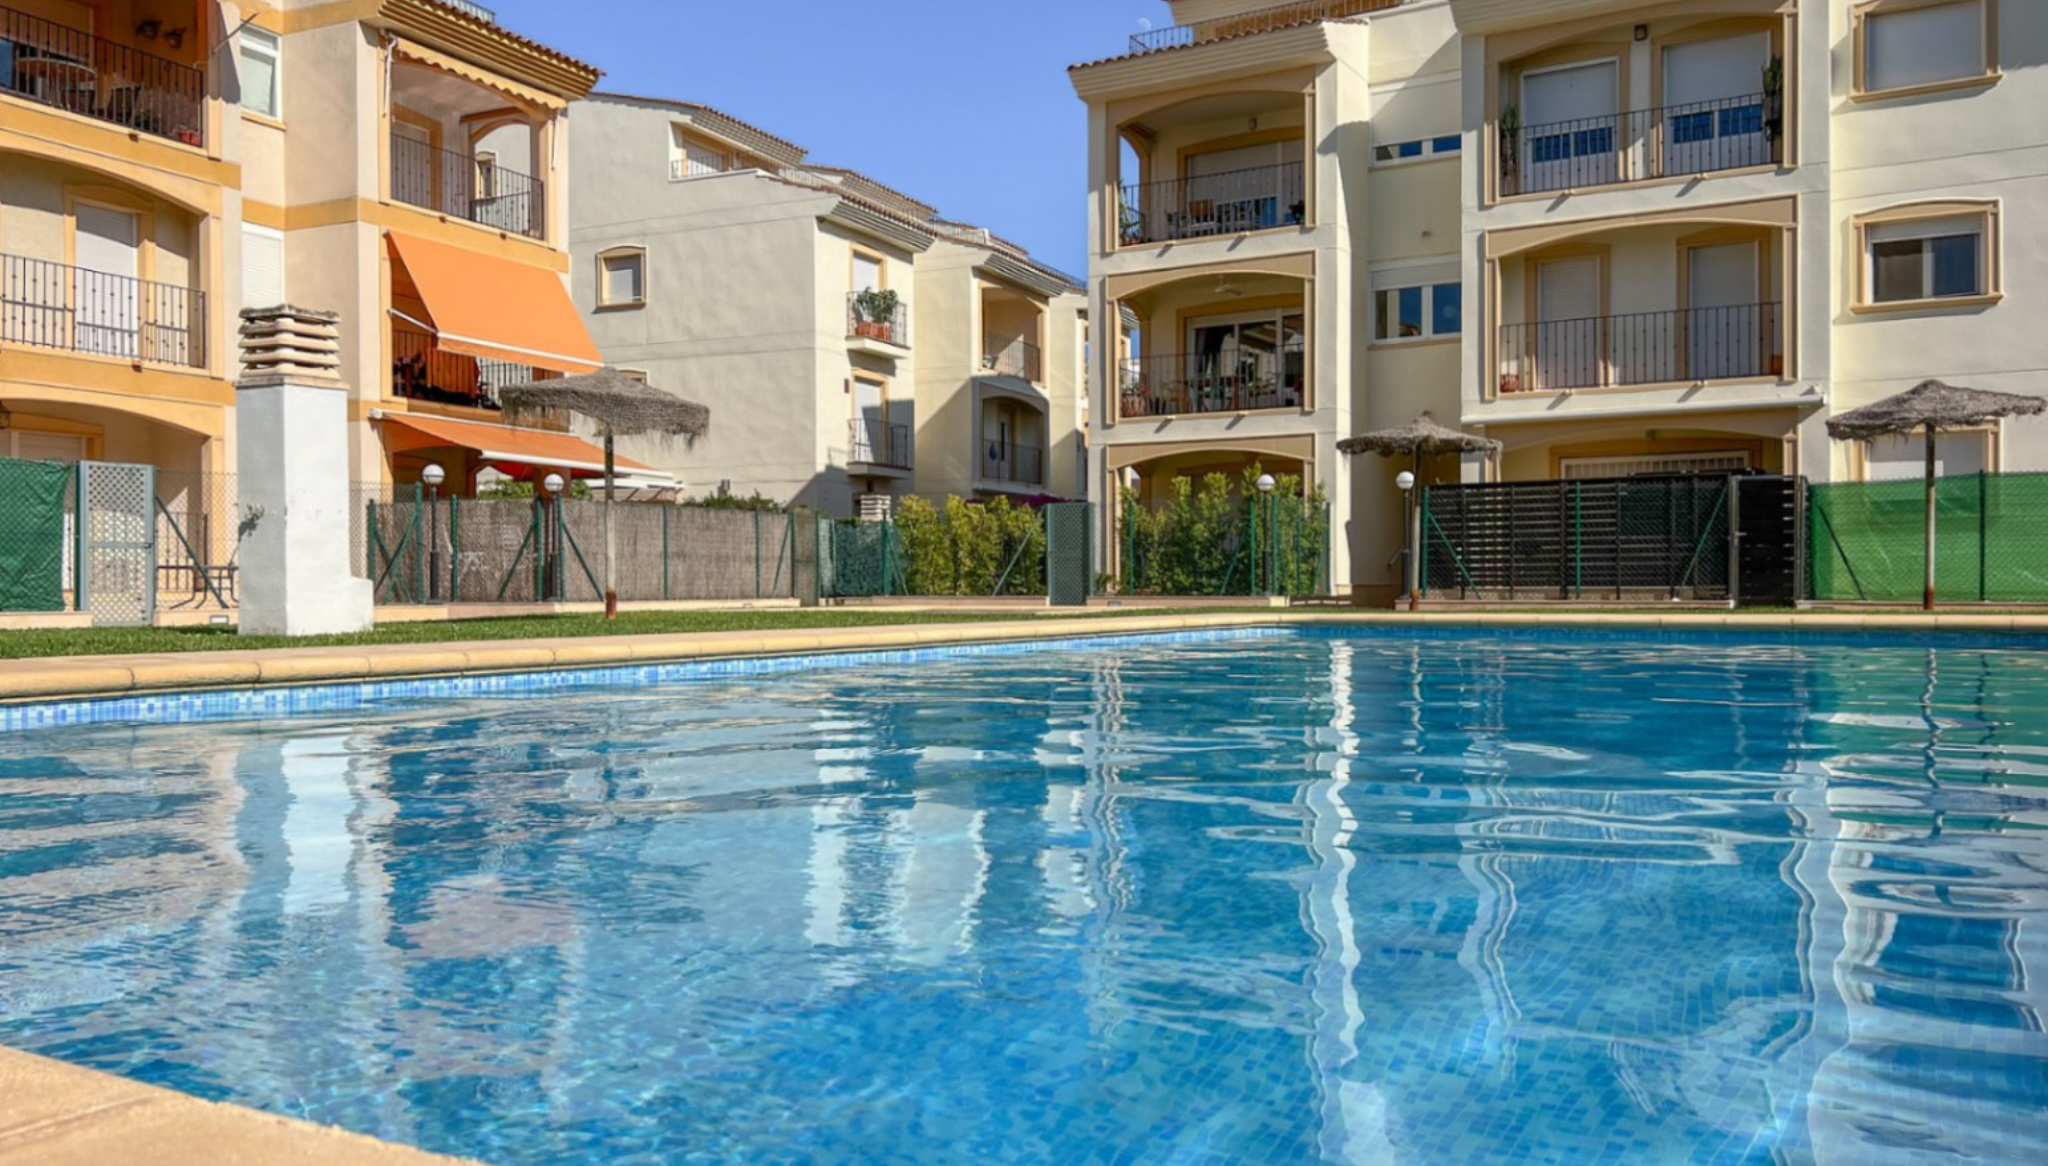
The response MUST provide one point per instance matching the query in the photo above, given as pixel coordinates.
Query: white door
(1724, 328)
(867, 272)
(871, 436)
(1568, 340)
(1571, 134)
(104, 288)
(1713, 104)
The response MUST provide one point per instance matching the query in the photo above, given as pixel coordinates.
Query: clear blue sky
(962, 103)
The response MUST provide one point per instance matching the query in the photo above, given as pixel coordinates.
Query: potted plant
(1774, 99)
(875, 314)
(1510, 148)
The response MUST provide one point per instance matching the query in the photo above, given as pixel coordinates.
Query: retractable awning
(494, 309)
(517, 453)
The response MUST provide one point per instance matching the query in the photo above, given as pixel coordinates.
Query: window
(1418, 313)
(1957, 454)
(692, 157)
(867, 271)
(262, 267)
(1909, 44)
(1420, 148)
(1927, 259)
(261, 54)
(622, 278)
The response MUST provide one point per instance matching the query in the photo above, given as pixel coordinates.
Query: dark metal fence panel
(1868, 539)
(70, 69)
(467, 187)
(1644, 538)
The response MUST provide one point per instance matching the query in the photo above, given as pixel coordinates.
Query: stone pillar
(292, 456)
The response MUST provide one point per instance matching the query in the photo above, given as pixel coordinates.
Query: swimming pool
(1262, 898)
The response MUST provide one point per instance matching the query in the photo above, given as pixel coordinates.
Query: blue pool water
(1294, 899)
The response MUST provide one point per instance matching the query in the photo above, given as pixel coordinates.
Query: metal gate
(1069, 553)
(117, 542)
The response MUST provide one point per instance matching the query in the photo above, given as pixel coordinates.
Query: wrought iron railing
(1006, 461)
(1229, 203)
(464, 186)
(871, 322)
(1247, 23)
(879, 443)
(70, 69)
(1183, 383)
(1732, 133)
(422, 371)
(1008, 357)
(1644, 348)
(53, 305)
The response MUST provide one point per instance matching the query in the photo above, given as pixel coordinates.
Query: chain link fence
(1991, 540)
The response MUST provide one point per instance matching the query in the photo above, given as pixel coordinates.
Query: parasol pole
(611, 546)
(1927, 597)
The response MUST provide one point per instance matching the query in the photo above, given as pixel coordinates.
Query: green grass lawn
(17, 645)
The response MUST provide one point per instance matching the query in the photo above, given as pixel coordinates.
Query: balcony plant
(1510, 147)
(874, 312)
(1774, 99)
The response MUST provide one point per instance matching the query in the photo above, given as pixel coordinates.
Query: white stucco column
(292, 458)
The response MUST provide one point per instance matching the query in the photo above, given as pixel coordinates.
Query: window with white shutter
(262, 267)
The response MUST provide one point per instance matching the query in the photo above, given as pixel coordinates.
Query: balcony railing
(869, 322)
(1730, 134)
(1230, 203)
(1247, 23)
(1006, 461)
(70, 69)
(466, 187)
(422, 371)
(879, 443)
(51, 305)
(1005, 357)
(1184, 383)
(1646, 348)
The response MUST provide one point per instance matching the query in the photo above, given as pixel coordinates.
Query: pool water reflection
(1281, 900)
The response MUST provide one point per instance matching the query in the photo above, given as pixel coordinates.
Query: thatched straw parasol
(1930, 407)
(1420, 436)
(622, 406)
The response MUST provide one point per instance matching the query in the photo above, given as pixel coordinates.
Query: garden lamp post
(1265, 484)
(551, 542)
(433, 476)
(1406, 481)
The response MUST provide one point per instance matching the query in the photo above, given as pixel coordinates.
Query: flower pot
(1510, 382)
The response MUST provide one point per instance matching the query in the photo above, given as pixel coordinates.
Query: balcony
(1187, 383)
(422, 371)
(1743, 342)
(1231, 203)
(878, 318)
(880, 444)
(52, 305)
(1734, 133)
(1012, 464)
(463, 186)
(66, 68)
(1006, 357)
(1249, 23)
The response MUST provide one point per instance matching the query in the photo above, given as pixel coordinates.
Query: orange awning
(517, 453)
(495, 309)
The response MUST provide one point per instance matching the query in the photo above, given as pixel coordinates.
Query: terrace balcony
(467, 186)
(1005, 356)
(1251, 23)
(422, 371)
(1009, 463)
(1230, 203)
(56, 65)
(1741, 342)
(1198, 384)
(74, 309)
(877, 325)
(1733, 133)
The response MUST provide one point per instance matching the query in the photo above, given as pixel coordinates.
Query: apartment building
(853, 345)
(1619, 237)
(164, 164)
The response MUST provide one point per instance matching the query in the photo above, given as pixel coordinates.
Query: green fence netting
(1991, 539)
(32, 535)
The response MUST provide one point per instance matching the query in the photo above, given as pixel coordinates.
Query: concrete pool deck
(53, 1114)
(86, 677)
